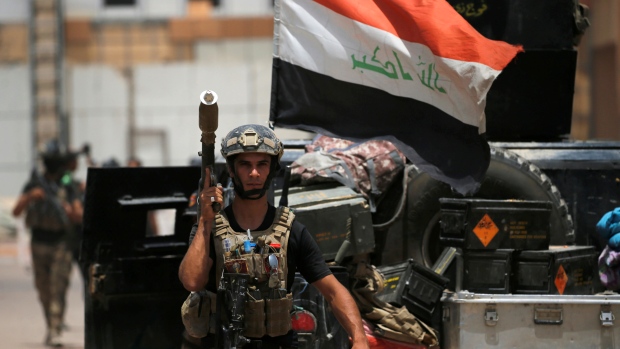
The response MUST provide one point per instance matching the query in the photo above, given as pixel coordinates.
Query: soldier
(50, 216)
(251, 236)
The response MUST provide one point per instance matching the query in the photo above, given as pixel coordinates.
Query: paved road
(22, 325)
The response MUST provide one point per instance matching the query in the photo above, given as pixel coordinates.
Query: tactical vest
(268, 306)
(389, 321)
(48, 213)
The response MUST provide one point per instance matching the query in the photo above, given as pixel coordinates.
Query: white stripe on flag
(315, 38)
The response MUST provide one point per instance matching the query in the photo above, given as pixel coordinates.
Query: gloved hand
(608, 228)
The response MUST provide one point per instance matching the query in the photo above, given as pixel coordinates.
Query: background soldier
(50, 215)
(218, 242)
(75, 190)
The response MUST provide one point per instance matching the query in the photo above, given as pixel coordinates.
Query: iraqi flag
(413, 72)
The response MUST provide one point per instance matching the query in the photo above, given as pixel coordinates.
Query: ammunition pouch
(197, 313)
(255, 318)
(270, 316)
(267, 307)
(255, 265)
(278, 315)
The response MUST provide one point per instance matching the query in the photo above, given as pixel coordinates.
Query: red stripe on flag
(433, 23)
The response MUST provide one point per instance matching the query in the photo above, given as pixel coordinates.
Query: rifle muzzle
(207, 116)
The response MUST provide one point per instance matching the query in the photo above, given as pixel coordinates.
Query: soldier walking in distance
(75, 190)
(251, 236)
(50, 216)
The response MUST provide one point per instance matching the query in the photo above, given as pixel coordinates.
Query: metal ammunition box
(488, 271)
(478, 224)
(393, 274)
(330, 214)
(564, 270)
(419, 289)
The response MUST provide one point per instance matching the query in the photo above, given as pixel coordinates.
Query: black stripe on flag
(446, 148)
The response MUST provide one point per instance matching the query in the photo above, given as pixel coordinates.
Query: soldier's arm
(344, 308)
(76, 211)
(26, 198)
(195, 267)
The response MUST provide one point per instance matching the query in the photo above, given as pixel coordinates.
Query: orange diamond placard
(561, 279)
(486, 230)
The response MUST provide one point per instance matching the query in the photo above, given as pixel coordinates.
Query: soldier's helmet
(54, 149)
(252, 138)
(54, 155)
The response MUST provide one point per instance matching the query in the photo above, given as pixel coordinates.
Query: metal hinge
(96, 279)
(491, 317)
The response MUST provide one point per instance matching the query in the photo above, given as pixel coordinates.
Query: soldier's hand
(208, 197)
(76, 210)
(36, 194)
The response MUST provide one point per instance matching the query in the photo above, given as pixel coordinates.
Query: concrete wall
(97, 103)
(144, 9)
(17, 10)
(166, 100)
(12, 11)
(153, 9)
(15, 128)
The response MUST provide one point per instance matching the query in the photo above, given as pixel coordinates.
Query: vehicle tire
(509, 177)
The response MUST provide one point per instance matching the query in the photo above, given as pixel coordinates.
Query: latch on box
(491, 317)
(548, 316)
(607, 317)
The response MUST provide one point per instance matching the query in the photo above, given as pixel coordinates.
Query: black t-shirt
(302, 255)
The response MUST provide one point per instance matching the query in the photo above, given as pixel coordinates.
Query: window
(119, 2)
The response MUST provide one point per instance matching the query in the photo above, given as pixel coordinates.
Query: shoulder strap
(281, 231)
(283, 222)
(220, 229)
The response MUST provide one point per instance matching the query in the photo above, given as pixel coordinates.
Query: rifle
(231, 297)
(231, 292)
(207, 121)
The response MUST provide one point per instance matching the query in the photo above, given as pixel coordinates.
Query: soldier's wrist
(206, 224)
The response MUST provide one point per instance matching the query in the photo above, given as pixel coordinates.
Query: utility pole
(46, 57)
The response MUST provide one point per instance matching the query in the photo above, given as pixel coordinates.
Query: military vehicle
(133, 297)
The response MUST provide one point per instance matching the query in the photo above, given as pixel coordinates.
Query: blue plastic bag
(608, 228)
